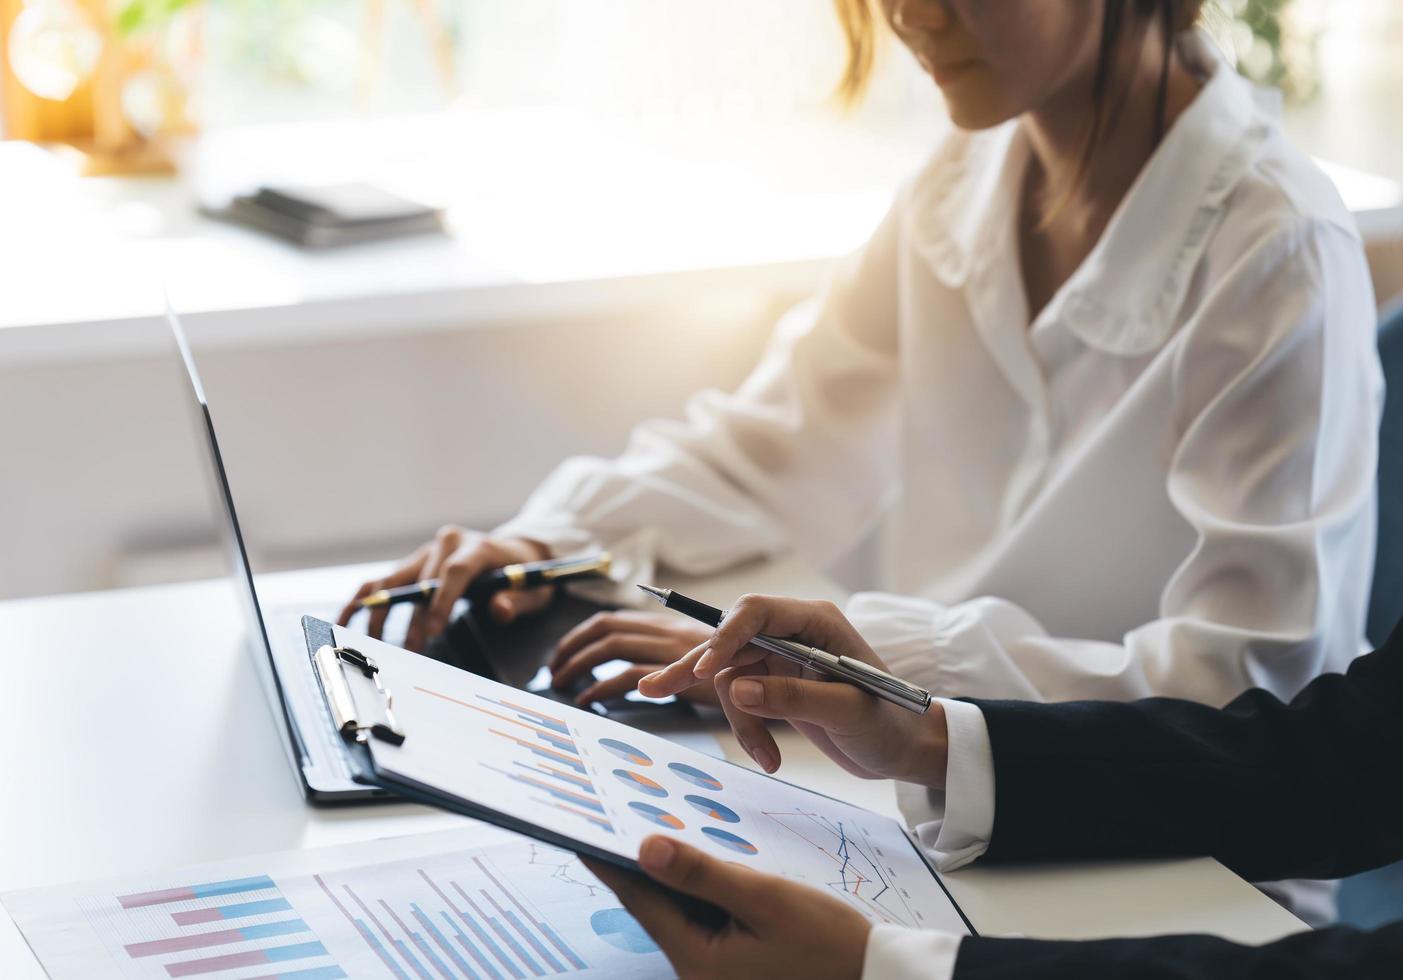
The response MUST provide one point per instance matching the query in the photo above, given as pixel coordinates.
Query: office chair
(1372, 899)
(1386, 599)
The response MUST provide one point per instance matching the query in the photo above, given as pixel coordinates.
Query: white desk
(137, 739)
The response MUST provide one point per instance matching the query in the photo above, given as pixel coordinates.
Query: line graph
(565, 868)
(860, 874)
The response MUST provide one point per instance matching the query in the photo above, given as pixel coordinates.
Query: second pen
(526, 575)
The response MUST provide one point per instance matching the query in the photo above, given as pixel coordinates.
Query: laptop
(514, 654)
(274, 635)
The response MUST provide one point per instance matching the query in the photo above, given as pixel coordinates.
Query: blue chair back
(1370, 900)
(1386, 599)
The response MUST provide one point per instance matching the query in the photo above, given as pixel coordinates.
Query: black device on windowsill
(330, 216)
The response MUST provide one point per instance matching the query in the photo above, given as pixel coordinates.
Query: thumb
(686, 869)
(838, 708)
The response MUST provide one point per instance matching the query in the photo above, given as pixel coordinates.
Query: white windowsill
(551, 215)
(554, 216)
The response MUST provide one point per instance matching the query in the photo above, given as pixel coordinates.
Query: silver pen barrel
(887, 686)
(869, 678)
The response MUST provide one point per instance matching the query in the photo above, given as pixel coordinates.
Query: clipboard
(432, 734)
(362, 708)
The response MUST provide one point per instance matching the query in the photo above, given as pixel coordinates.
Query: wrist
(933, 748)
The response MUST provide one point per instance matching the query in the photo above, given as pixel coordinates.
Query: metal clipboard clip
(328, 660)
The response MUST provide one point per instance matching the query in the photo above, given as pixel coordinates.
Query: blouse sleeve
(800, 456)
(1274, 472)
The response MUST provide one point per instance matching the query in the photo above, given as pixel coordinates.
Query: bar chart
(218, 927)
(514, 909)
(550, 764)
(458, 920)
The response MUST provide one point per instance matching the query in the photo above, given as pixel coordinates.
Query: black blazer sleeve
(1326, 954)
(1313, 789)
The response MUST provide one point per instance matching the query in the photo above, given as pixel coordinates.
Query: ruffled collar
(1124, 297)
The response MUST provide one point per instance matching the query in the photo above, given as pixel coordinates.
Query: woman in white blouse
(1106, 372)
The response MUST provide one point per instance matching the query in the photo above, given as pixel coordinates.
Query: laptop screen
(240, 569)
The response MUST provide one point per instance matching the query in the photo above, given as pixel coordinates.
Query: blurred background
(633, 190)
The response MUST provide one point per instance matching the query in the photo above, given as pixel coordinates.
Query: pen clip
(593, 565)
(329, 661)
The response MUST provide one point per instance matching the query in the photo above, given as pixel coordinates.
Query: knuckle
(600, 626)
(826, 608)
(448, 532)
(693, 871)
(791, 691)
(609, 646)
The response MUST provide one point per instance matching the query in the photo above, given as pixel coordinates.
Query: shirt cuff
(955, 826)
(896, 953)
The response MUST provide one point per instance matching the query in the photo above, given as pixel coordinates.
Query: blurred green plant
(140, 15)
(1270, 43)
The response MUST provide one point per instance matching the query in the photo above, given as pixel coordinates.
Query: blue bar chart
(509, 909)
(453, 919)
(227, 927)
(549, 763)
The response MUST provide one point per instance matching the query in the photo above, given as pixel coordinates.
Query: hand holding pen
(867, 735)
(519, 576)
(455, 557)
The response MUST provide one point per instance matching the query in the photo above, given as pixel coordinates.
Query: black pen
(871, 679)
(526, 575)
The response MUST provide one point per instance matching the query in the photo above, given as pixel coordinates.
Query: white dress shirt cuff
(955, 826)
(897, 953)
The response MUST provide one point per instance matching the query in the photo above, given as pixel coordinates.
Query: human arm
(777, 928)
(1247, 451)
(894, 953)
(801, 455)
(1273, 790)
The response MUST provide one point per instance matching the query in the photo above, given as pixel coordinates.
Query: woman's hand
(647, 639)
(777, 928)
(455, 557)
(865, 735)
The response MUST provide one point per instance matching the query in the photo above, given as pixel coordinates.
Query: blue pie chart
(727, 839)
(714, 810)
(622, 931)
(640, 782)
(657, 815)
(693, 775)
(625, 751)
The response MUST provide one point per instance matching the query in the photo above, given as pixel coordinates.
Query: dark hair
(1174, 16)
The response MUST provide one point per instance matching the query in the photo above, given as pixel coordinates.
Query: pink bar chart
(214, 927)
